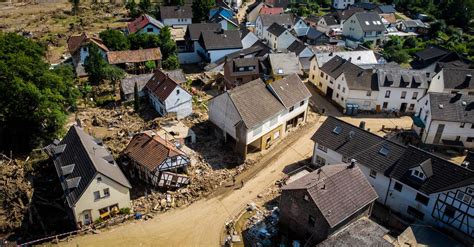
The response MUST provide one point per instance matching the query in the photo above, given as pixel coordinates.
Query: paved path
(201, 223)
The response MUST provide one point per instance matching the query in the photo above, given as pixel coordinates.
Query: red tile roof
(270, 11)
(161, 85)
(141, 21)
(150, 150)
(76, 41)
(134, 56)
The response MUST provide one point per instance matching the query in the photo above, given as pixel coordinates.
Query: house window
(302, 103)
(342, 98)
(422, 199)
(322, 148)
(291, 109)
(415, 213)
(174, 159)
(369, 93)
(411, 107)
(106, 192)
(96, 195)
(398, 186)
(149, 30)
(321, 85)
(418, 174)
(472, 126)
(415, 95)
(373, 174)
(469, 139)
(449, 211)
(311, 221)
(322, 75)
(404, 95)
(320, 160)
(306, 197)
(343, 89)
(385, 104)
(177, 91)
(462, 125)
(99, 179)
(387, 94)
(331, 81)
(338, 86)
(426, 102)
(326, 77)
(461, 196)
(312, 77)
(337, 95)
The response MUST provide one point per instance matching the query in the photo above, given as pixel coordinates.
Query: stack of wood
(15, 194)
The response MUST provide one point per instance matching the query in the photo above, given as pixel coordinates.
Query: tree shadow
(48, 213)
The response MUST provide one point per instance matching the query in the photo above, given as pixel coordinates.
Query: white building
(364, 26)
(214, 45)
(346, 83)
(412, 182)
(167, 96)
(93, 184)
(327, 23)
(445, 119)
(193, 33)
(300, 49)
(342, 4)
(254, 115)
(278, 37)
(78, 46)
(453, 80)
(145, 24)
(176, 15)
(264, 21)
(400, 89)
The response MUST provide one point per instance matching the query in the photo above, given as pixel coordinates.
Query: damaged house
(254, 116)
(93, 184)
(157, 161)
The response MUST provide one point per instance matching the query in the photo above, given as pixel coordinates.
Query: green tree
(34, 99)
(201, 9)
(115, 40)
(75, 6)
(94, 65)
(150, 65)
(113, 74)
(171, 63)
(132, 8)
(136, 99)
(166, 43)
(144, 6)
(143, 41)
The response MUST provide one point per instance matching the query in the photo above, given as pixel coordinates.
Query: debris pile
(15, 194)
(263, 226)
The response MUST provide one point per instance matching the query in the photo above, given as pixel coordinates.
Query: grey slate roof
(177, 75)
(402, 78)
(276, 29)
(220, 40)
(255, 103)
(414, 23)
(313, 33)
(455, 107)
(194, 30)
(445, 175)
(127, 84)
(386, 9)
(330, 20)
(282, 19)
(355, 143)
(297, 47)
(370, 21)
(431, 52)
(458, 78)
(337, 191)
(176, 12)
(290, 90)
(357, 78)
(89, 159)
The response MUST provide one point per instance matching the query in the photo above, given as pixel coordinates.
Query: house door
(439, 133)
(377, 108)
(87, 217)
(329, 93)
(403, 107)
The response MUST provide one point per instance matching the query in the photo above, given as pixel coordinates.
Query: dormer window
(418, 174)
(384, 151)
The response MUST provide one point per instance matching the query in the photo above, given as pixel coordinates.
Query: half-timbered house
(156, 161)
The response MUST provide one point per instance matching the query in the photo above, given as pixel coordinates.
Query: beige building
(93, 184)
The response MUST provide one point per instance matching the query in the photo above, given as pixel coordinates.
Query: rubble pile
(15, 194)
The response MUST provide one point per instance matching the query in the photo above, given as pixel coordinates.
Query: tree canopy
(201, 9)
(115, 40)
(98, 69)
(34, 100)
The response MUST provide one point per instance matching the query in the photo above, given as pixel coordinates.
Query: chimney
(330, 54)
(352, 164)
(350, 59)
(362, 124)
(241, 55)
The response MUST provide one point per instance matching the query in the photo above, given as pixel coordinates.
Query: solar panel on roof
(337, 130)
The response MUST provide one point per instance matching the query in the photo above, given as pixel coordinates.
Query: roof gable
(142, 21)
(220, 40)
(161, 85)
(290, 90)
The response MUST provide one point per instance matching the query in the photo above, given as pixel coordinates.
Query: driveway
(321, 102)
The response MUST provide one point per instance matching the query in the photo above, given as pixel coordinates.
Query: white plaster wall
(285, 40)
(155, 29)
(177, 22)
(395, 101)
(215, 55)
(119, 194)
(252, 16)
(360, 97)
(180, 103)
(223, 113)
(356, 33)
(380, 183)
(451, 130)
(342, 4)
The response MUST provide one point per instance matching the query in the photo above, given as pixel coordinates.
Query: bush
(104, 100)
(98, 221)
(124, 211)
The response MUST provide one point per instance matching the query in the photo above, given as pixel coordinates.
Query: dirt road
(201, 223)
